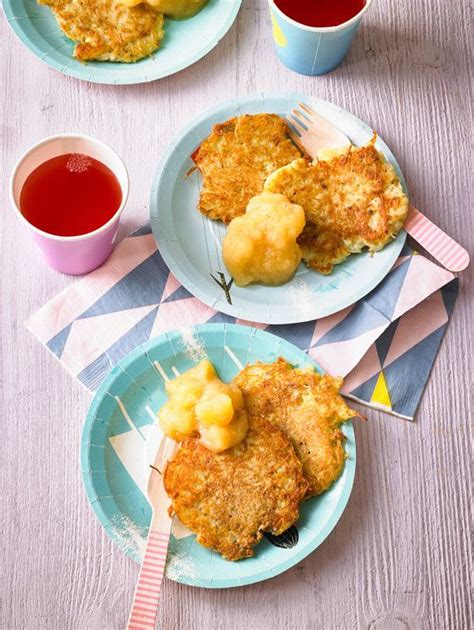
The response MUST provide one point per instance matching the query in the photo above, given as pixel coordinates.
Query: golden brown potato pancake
(230, 499)
(107, 30)
(309, 410)
(236, 159)
(352, 200)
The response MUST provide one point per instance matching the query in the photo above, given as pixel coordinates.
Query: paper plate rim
(79, 71)
(94, 499)
(201, 294)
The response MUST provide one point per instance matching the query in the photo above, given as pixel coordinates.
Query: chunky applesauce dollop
(199, 403)
(178, 9)
(260, 246)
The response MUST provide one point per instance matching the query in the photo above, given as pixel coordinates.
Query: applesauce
(260, 246)
(200, 404)
(177, 9)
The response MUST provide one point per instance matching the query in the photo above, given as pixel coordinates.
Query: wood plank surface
(401, 555)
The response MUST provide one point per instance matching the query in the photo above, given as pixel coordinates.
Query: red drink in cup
(70, 190)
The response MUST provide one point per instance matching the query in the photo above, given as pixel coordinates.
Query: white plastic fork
(315, 133)
(147, 593)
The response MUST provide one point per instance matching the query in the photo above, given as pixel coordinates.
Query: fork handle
(436, 242)
(147, 593)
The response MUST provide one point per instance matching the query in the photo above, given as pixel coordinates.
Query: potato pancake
(107, 30)
(236, 159)
(309, 410)
(230, 499)
(352, 199)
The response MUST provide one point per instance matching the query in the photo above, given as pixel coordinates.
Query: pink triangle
(340, 357)
(368, 367)
(325, 324)
(179, 314)
(73, 301)
(171, 285)
(244, 322)
(422, 279)
(90, 337)
(416, 325)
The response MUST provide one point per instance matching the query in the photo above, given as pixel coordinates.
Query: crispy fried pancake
(235, 160)
(309, 410)
(229, 499)
(107, 30)
(352, 200)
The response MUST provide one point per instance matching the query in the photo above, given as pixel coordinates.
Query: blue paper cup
(312, 50)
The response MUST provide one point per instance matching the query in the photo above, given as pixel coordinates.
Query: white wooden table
(400, 556)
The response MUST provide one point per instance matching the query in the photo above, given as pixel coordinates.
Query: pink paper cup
(72, 255)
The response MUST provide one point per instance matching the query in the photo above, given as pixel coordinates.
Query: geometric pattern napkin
(384, 345)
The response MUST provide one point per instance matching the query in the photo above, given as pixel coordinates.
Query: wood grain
(401, 555)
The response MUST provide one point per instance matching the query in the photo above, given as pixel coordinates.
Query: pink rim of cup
(73, 255)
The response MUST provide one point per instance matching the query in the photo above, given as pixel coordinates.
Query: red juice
(70, 195)
(320, 12)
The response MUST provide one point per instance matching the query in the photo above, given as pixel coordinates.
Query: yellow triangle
(380, 394)
(278, 34)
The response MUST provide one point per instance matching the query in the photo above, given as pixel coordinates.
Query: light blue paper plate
(114, 445)
(185, 43)
(191, 244)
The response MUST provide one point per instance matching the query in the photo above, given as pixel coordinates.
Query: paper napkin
(384, 345)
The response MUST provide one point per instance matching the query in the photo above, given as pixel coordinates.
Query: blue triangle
(93, 375)
(407, 249)
(364, 392)
(383, 343)
(372, 311)
(406, 377)
(299, 334)
(134, 337)
(221, 318)
(143, 286)
(360, 320)
(142, 231)
(57, 343)
(180, 294)
(384, 297)
(450, 293)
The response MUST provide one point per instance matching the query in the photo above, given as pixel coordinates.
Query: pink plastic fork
(441, 246)
(147, 593)
(315, 133)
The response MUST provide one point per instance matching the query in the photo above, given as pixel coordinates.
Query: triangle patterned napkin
(385, 345)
